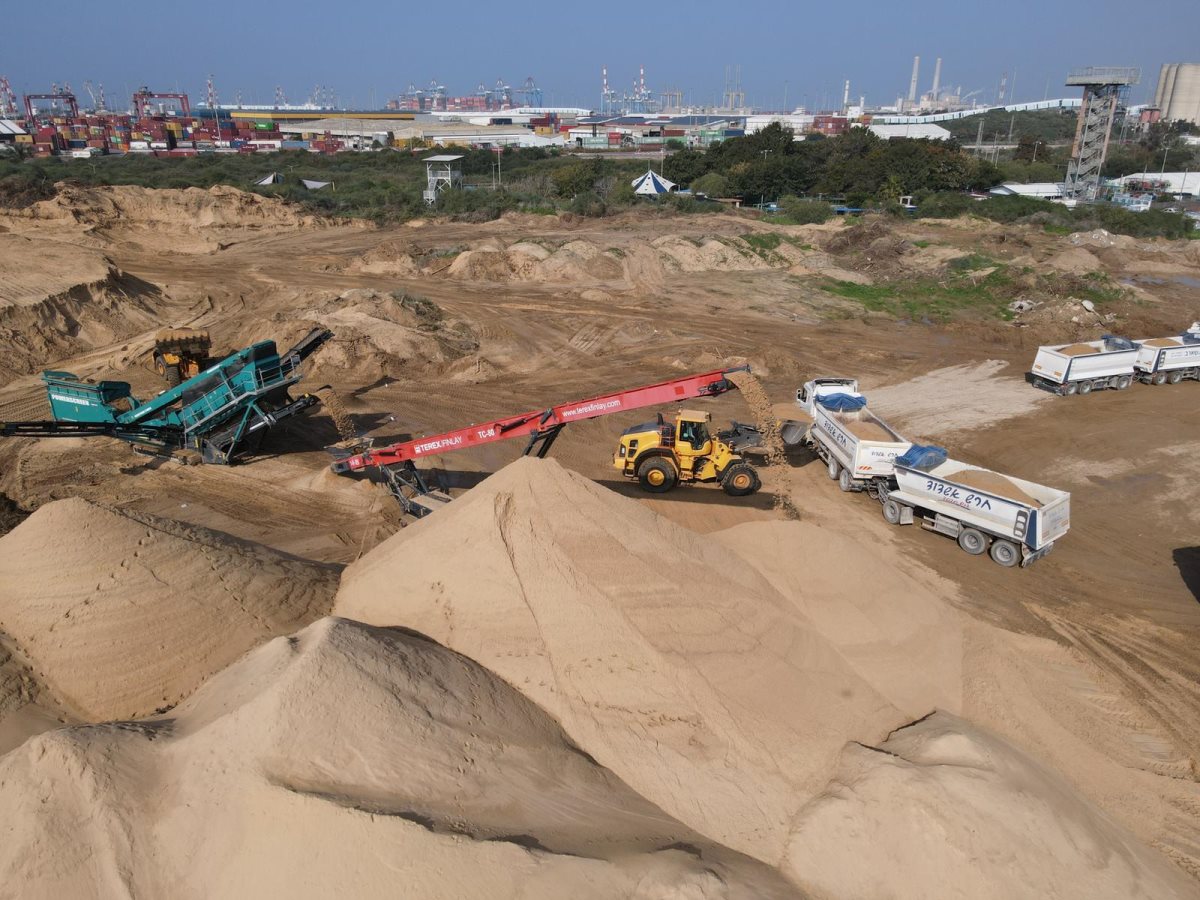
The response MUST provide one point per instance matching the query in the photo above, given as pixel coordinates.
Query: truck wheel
(846, 481)
(656, 475)
(1175, 378)
(1070, 389)
(739, 480)
(972, 541)
(1124, 381)
(834, 469)
(172, 376)
(1159, 378)
(891, 512)
(1085, 387)
(1005, 553)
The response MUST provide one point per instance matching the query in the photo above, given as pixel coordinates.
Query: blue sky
(369, 51)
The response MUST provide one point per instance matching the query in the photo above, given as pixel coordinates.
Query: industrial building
(1178, 93)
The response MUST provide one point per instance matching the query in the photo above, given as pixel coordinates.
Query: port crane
(396, 462)
(59, 96)
(143, 96)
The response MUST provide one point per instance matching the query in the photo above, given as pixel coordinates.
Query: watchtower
(1104, 92)
(440, 175)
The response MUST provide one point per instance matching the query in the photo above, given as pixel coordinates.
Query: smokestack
(846, 97)
(912, 87)
(937, 78)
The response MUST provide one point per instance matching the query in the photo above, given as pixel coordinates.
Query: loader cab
(692, 436)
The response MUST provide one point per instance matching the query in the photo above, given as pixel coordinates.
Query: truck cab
(807, 394)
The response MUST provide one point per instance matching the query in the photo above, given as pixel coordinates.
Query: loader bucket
(793, 432)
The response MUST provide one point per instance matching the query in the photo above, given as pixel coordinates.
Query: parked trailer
(1014, 521)
(1169, 360)
(856, 445)
(1083, 367)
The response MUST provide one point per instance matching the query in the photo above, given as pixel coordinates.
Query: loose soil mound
(25, 709)
(664, 655)
(379, 334)
(121, 614)
(945, 809)
(192, 220)
(57, 299)
(345, 761)
(993, 483)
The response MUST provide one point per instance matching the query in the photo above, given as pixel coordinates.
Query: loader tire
(172, 376)
(656, 475)
(740, 480)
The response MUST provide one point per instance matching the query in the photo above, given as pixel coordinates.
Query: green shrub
(805, 212)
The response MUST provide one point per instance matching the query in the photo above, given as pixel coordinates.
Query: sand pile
(121, 614)
(1077, 350)
(664, 655)
(945, 809)
(345, 760)
(379, 334)
(1076, 261)
(193, 220)
(1163, 342)
(397, 258)
(993, 483)
(26, 708)
(57, 299)
(527, 261)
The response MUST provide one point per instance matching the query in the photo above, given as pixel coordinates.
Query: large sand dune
(664, 655)
(345, 761)
(120, 613)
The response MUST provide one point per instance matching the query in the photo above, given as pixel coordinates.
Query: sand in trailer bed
(1078, 350)
(992, 483)
(866, 431)
(1162, 342)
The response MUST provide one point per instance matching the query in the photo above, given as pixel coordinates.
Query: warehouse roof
(7, 126)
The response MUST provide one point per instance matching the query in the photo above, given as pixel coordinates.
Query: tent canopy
(273, 178)
(314, 185)
(652, 184)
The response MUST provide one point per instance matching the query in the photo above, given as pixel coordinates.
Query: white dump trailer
(1086, 366)
(856, 445)
(1013, 520)
(1169, 360)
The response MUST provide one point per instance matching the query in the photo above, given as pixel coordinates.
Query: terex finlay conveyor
(396, 461)
(223, 413)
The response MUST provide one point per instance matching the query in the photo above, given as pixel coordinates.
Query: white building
(800, 122)
(1043, 190)
(1164, 182)
(919, 131)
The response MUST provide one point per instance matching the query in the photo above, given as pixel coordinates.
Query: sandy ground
(1082, 667)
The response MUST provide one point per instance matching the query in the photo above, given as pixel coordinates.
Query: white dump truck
(1086, 366)
(1012, 520)
(1169, 360)
(856, 445)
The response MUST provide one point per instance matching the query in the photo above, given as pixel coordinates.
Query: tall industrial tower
(1104, 91)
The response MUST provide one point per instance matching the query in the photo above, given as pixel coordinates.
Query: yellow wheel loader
(181, 353)
(661, 455)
